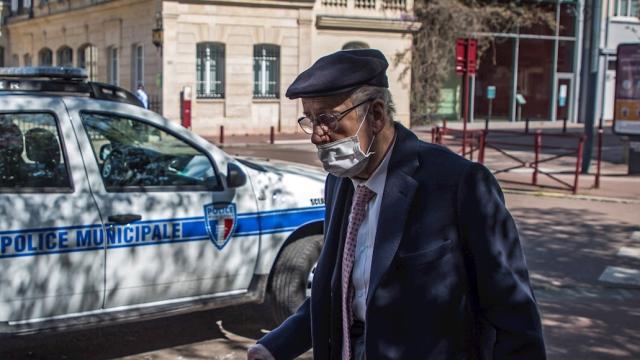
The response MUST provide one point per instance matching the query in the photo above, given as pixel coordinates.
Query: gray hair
(374, 92)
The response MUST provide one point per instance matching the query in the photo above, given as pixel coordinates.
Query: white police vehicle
(109, 212)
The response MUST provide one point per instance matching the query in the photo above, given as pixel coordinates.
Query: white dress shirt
(367, 235)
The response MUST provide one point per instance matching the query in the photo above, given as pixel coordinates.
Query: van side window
(31, 154)
(135, 156)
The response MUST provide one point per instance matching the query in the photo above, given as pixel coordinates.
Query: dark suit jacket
(448, 276)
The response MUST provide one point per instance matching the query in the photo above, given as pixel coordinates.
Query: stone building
(235, 58)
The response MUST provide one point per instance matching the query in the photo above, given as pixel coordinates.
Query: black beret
(340, 72)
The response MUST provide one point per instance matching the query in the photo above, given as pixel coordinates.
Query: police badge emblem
(220, 220)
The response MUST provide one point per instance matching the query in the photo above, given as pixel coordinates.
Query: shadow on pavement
(567, 250)
(141, 337)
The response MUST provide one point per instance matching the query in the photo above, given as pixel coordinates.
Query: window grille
(336, 3)
(266, 71)
(210, 70)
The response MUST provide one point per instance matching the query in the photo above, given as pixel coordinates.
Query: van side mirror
(235, 176)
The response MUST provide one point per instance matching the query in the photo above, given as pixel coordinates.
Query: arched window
(210, 70)
(266, 71)
(354, 45)
(45, 57)
(88, 60)
(27, 60)
(65, 56)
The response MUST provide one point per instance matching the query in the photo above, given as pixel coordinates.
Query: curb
(560, 195)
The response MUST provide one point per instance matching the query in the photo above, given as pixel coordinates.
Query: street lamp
(158, 33)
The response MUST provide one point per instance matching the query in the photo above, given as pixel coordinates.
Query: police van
(109, 212)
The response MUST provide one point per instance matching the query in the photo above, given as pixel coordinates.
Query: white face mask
(343, 158)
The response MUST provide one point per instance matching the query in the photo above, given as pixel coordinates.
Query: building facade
(233, 59)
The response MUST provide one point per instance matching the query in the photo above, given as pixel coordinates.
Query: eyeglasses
(330, 120)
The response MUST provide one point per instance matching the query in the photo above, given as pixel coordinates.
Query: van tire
(291, 274)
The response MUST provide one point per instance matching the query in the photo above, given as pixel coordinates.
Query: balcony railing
(334, 3)
(393, 5)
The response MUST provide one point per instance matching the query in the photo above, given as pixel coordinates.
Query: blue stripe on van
(66, 239)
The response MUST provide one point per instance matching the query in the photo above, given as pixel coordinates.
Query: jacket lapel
(339, 197)
(398, 192)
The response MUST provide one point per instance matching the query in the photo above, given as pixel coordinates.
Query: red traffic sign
(461, 55)
(466, 56)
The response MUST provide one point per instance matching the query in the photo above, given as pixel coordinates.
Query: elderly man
(421, 259)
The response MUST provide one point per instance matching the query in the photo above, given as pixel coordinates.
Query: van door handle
(123, 219)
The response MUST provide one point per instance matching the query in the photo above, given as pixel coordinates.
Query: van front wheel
(293, 272)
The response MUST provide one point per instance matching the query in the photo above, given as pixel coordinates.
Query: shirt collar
(377, 180)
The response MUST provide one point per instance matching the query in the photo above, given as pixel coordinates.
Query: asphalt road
(568, 244)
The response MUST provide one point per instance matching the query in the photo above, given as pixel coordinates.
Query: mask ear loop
(374, 135)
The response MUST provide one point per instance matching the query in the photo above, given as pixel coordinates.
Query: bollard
(526, 125)
(578, 162)
(464, 144)
(564, 125)
(599, 158)
(443, 133)
(272, 136)
(537, 145)
(221, 134)
(483, 145)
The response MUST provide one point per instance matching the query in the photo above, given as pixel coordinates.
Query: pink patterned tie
(360, 199)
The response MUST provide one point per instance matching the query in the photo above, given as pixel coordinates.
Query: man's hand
(259, 352)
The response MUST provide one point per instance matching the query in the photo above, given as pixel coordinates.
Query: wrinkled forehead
(319, 105)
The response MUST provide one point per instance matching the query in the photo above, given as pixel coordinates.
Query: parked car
(112, 213)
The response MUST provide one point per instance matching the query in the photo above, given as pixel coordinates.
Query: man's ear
(378, 115)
